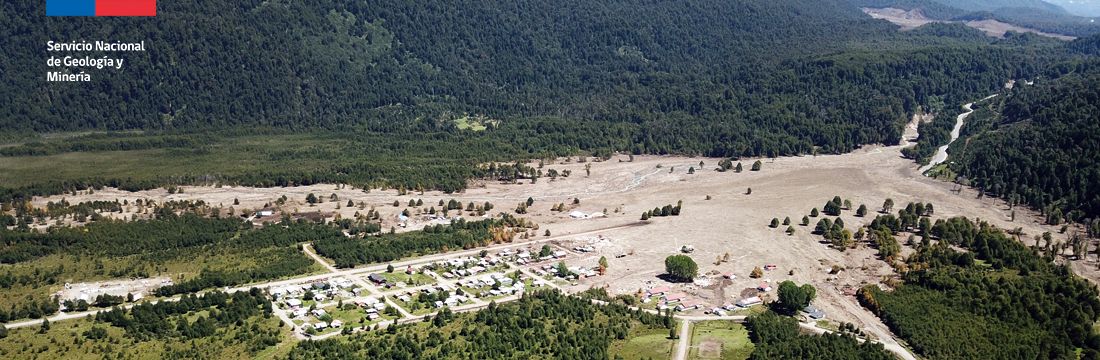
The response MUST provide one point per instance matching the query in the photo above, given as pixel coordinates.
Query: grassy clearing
(724, 340)
(241, 155)
(43, 277)
(644, 344)
(66, 340)
(476, 123)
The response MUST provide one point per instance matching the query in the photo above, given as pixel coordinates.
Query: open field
(724, 340)
(913, 19)
(648, 344)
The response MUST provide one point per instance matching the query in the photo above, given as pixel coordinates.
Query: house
(319, 312)
(293, 303)
(377, 278)
(770, 267)
(337, 323)
(749, 301)
(578, 215)
(560, 254)
(675, 297)
(764, 287)
(689, 304)
(814, 313)
(659, 290)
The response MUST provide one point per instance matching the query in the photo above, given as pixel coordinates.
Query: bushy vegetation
(996, 299)
(262, 253)
(777, 337)
(215, 325)
(460, 234)
(541, 324)
(681, 267)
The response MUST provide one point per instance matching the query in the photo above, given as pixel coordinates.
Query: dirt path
(684, 345)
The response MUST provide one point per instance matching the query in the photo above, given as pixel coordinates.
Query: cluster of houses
(321, 290)
(499, 283)
(578, 272)
(467, 266)
(451, 300)
(321, 325)
(666, 299)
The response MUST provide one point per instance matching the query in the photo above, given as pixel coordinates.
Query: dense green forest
(976, 292)
(460, 234)
(542, 324)
(778, 337)
(380, 85)
(1038, 145)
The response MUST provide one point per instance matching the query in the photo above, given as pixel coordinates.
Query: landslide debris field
(733, 221)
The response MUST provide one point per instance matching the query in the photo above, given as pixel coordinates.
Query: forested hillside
(995, 299)
(1040, 145)
(286, 92)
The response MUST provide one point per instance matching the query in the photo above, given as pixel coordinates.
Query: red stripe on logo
(126, 8)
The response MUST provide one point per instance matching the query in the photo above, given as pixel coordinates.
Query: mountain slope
(1042, 147)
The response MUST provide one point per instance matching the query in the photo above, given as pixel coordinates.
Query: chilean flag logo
(101, 7)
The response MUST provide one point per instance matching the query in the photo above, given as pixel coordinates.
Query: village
(595, 216)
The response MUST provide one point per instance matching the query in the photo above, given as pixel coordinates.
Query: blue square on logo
(70, 7)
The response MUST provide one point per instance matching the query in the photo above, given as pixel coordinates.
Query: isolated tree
(691, 170)
(547, 233)
(887, 205)
(774, 223)
(929, 210)
(790, 230)
(757, 165)
(396, 203)
(832, 209)
(389, 268)
(847, 204)
(563, 270)
(748, 192)
(805, 220)
(681, 267)
(738, 168)
(645, 216)
(545, 251)
(756, 273)
(311, 198)
(793, 297)
(530, 201)
(814, 213)
(45, 326)
(236, 201)
(603, 265)
(787, 220)
(861, 211)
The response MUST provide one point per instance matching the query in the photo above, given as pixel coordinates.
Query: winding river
(941, 153)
